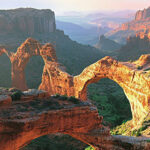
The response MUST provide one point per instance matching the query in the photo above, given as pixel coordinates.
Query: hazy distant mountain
(105, 44)
(81, 34)
(89, 18)
(110, 19)
(86, 28)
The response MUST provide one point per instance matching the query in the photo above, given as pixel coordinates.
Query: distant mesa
(141, 24)
(27, 21)
(143, 14)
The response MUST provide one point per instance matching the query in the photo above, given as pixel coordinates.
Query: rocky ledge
(23, 121)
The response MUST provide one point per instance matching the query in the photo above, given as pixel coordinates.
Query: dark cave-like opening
(55, 142)
(5, 71)
(33, 71)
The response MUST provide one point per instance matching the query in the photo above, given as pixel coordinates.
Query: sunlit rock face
(27, 21)
(140, 25)
(142, 14)
(141, 22)
(132, 77)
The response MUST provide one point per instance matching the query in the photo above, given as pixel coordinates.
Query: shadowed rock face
(23, 121)
(26, 21)
(20, 59)
(132, 77)
(142, 14)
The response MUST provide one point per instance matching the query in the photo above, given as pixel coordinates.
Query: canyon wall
(27, 21)
(142, 14)
(141, 24)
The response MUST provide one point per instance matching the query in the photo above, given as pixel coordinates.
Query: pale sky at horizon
(77, 5)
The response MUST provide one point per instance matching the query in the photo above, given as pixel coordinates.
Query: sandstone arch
(20, 59)
(133, 80)
(18, 129)
(134, 83)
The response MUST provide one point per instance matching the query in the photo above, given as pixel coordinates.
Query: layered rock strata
(27, 21)
(23, 121)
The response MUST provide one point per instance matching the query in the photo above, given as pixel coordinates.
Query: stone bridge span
(132, 77)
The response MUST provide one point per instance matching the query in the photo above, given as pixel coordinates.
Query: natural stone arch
(132, 80)
(55, 80)
(20, 59)
(133, 83)
(70, 120)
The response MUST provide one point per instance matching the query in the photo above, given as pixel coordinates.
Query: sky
(60, 6)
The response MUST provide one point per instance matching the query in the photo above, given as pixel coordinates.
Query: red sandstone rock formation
(132, 79)
(22, 122)
(20, 59)
(27, 21)
(81, 122)
(143, 14)
(140, 25)
(18, 127)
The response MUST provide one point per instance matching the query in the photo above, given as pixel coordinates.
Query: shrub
(16, 95)
(63, 97)
(74, 100)
(56, 96)
(139, 67)
(89, 148)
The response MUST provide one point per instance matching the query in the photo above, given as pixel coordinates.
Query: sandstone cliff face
(23, 121)
(27, 21)
(143, 14)
(141, 24)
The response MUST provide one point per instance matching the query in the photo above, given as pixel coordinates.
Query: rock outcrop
(132, 77)
(105, 44)
(142, 14)
(24, 121)
(141, 23)
(20, 59)
(27, 21)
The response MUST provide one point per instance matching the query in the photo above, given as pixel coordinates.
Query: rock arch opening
(111, 101)
(5, 73)
(55, 142)
(33, 71)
